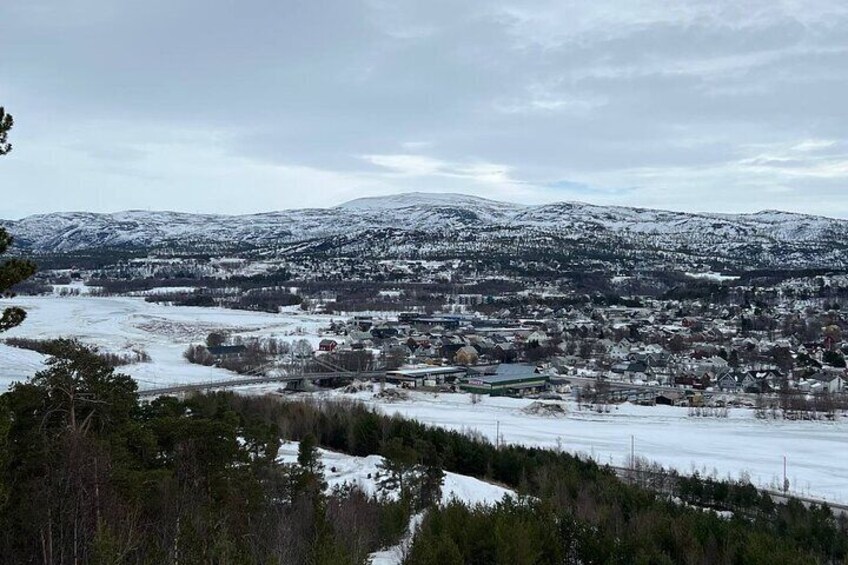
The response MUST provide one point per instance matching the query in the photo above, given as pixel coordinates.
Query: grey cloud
(195, 104)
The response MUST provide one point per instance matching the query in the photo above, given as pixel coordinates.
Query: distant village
(694, 339)
(685, 353)
(666, 346)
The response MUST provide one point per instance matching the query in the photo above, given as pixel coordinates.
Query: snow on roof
(424, 371)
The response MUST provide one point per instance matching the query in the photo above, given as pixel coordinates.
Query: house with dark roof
(327, 345)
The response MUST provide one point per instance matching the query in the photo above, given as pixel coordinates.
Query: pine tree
(310, 475)
(12, 271)
(400, 470)
(6, 123)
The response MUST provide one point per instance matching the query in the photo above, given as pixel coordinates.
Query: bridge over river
(297, 373)
(300, 379)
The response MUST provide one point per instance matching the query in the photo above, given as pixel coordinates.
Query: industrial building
(425, 375)
(506, 385)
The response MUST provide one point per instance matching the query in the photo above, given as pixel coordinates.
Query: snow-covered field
(118, 324)
(816, 452)
(710, 276)
(16, 364)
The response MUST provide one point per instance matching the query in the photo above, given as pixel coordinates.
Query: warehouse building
(425, 375)
(506, 385)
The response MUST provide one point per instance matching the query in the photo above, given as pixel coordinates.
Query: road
(779, 497)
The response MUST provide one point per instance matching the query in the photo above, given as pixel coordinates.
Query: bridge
(222, 384)
(294, 373)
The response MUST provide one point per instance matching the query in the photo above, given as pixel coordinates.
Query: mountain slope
(458, 226)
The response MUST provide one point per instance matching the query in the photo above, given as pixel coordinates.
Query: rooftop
(423, 371)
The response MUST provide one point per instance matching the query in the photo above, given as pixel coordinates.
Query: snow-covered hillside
(449, 225)
(364, 472)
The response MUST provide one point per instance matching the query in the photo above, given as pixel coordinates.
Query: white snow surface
(355, 471)
(119, 324)
(816, 452)
(712, 276)
(395, 554)
(15, 362)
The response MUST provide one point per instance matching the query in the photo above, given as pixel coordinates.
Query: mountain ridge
(420, 198)
(445, 225)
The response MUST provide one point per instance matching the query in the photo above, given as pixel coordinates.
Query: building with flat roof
(506, 385)
(416, 376)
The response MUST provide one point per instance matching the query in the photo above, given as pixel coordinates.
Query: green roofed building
(506, 385)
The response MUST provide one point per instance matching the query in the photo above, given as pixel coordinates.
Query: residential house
(327, 345)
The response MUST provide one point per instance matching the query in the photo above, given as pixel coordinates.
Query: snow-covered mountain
(458, 226)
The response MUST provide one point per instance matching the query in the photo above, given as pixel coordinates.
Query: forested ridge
(90, 475)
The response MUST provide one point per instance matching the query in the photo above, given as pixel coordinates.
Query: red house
(327, 345)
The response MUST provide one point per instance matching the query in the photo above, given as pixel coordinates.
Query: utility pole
(497, 434)
(632, 452)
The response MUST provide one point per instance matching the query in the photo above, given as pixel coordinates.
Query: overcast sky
(255, 105)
